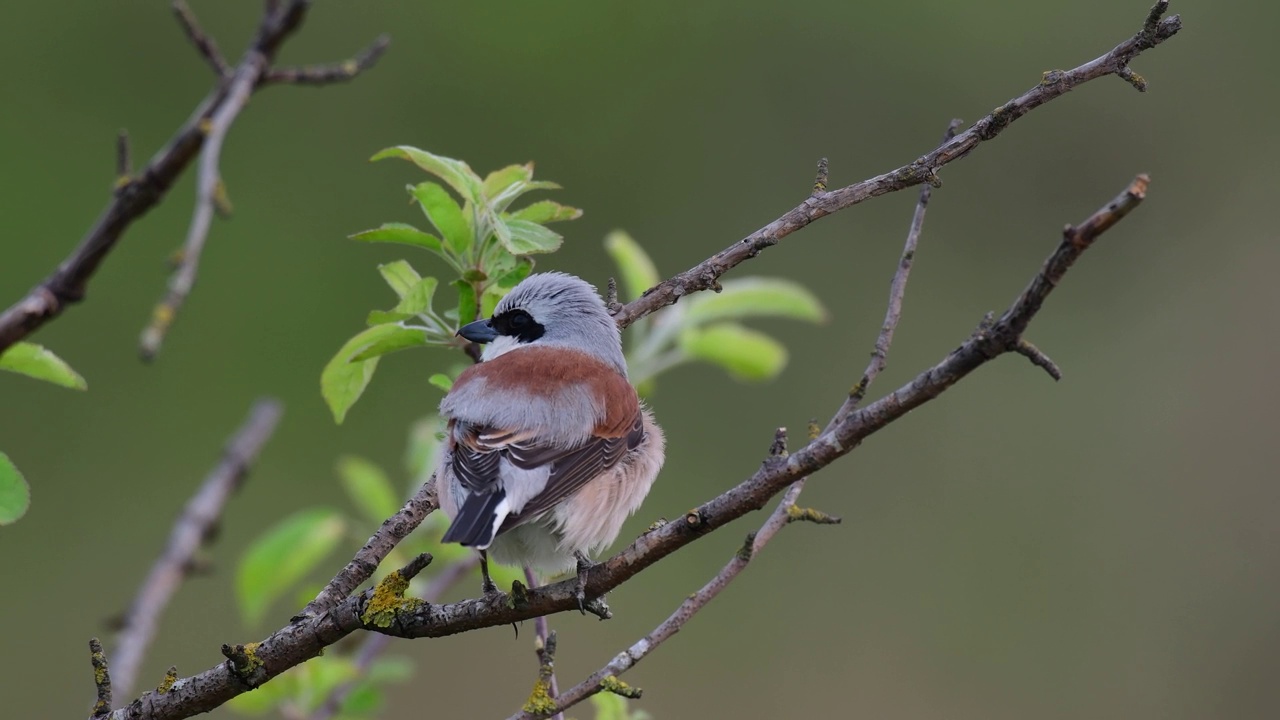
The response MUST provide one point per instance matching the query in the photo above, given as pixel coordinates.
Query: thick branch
(197, 523)
(135, 195)
(1056, 83)
(402, 617)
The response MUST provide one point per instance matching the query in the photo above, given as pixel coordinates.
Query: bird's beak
(480, 331)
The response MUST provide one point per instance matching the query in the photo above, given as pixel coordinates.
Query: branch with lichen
(193, 529)
(393, 614)
(135, 194)
(339, 611)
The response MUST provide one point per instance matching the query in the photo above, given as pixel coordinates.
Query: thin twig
(1054, 84)
(366, 561)
(124, 158)
(897, 291)
(331, 73)
(133, 197)
(101, 679)
(196, 524)
(606, 678)
(203, 42)
(309, 634)
(1038, 358)
(545, 648)
(208, 179)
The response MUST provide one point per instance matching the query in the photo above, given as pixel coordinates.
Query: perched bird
(548, 449)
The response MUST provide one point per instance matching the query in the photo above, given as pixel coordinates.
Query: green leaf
(364, 700)
(755, 297)
(423, 445)
(34, 361)
(385, 317)
(466, 302)
(528, 238)
(368, 488)
(346, 376)
(283, 556)
(268, 696)
(401, 276)
(455, 173)
(638, 272)
(445, 214)
(503, 200)
(399, 233)
(546, 211)
(442, 381)
(499, 180)
(390, 339)
(15, 494)
(390, 669)
(489, 301)
(414, 301)
(747, 354)
(508, 280)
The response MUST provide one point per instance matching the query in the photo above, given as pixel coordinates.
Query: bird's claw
(580, 589)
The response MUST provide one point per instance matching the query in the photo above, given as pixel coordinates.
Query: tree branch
(332, 73)
(385, 609)
(1056, 83)
(135, 195)
(205, 44)
(194, 527)
(606, 678)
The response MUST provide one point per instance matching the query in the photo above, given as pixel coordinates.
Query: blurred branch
(193, 529)
(252, 72)
(606, 678)
(205, 44)
(384, 609)
(822, 202)
(335, 72)
(136, 194)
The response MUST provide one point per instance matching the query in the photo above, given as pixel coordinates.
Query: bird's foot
(580, 590)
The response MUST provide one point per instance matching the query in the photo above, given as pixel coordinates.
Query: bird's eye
(519, 320)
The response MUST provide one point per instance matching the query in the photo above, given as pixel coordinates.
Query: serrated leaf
(455, 173)
(466, 302)
(755, 297)
(503, 200)
(445, 214)
(489, 301)
(499, 180)
(529, 238)
(368, 488)
(442, 381)
(747, 354)
(390, 339)
(522, 270)
(401, 276)
(283, 556)
(343, 379)
(15, 494)
(546, 211)
(399, 233)
(35, 361)
(635, 266)
(385, 317)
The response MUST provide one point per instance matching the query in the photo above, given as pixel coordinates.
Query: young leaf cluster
(486, 244)
(707, 327)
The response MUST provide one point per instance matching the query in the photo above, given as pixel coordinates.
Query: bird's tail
(478, 520)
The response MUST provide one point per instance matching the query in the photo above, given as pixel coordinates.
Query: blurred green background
(1108, 546)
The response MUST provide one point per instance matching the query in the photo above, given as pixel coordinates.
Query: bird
(548, 448)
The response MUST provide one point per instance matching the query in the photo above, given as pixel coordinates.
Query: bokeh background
(1107, 546)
